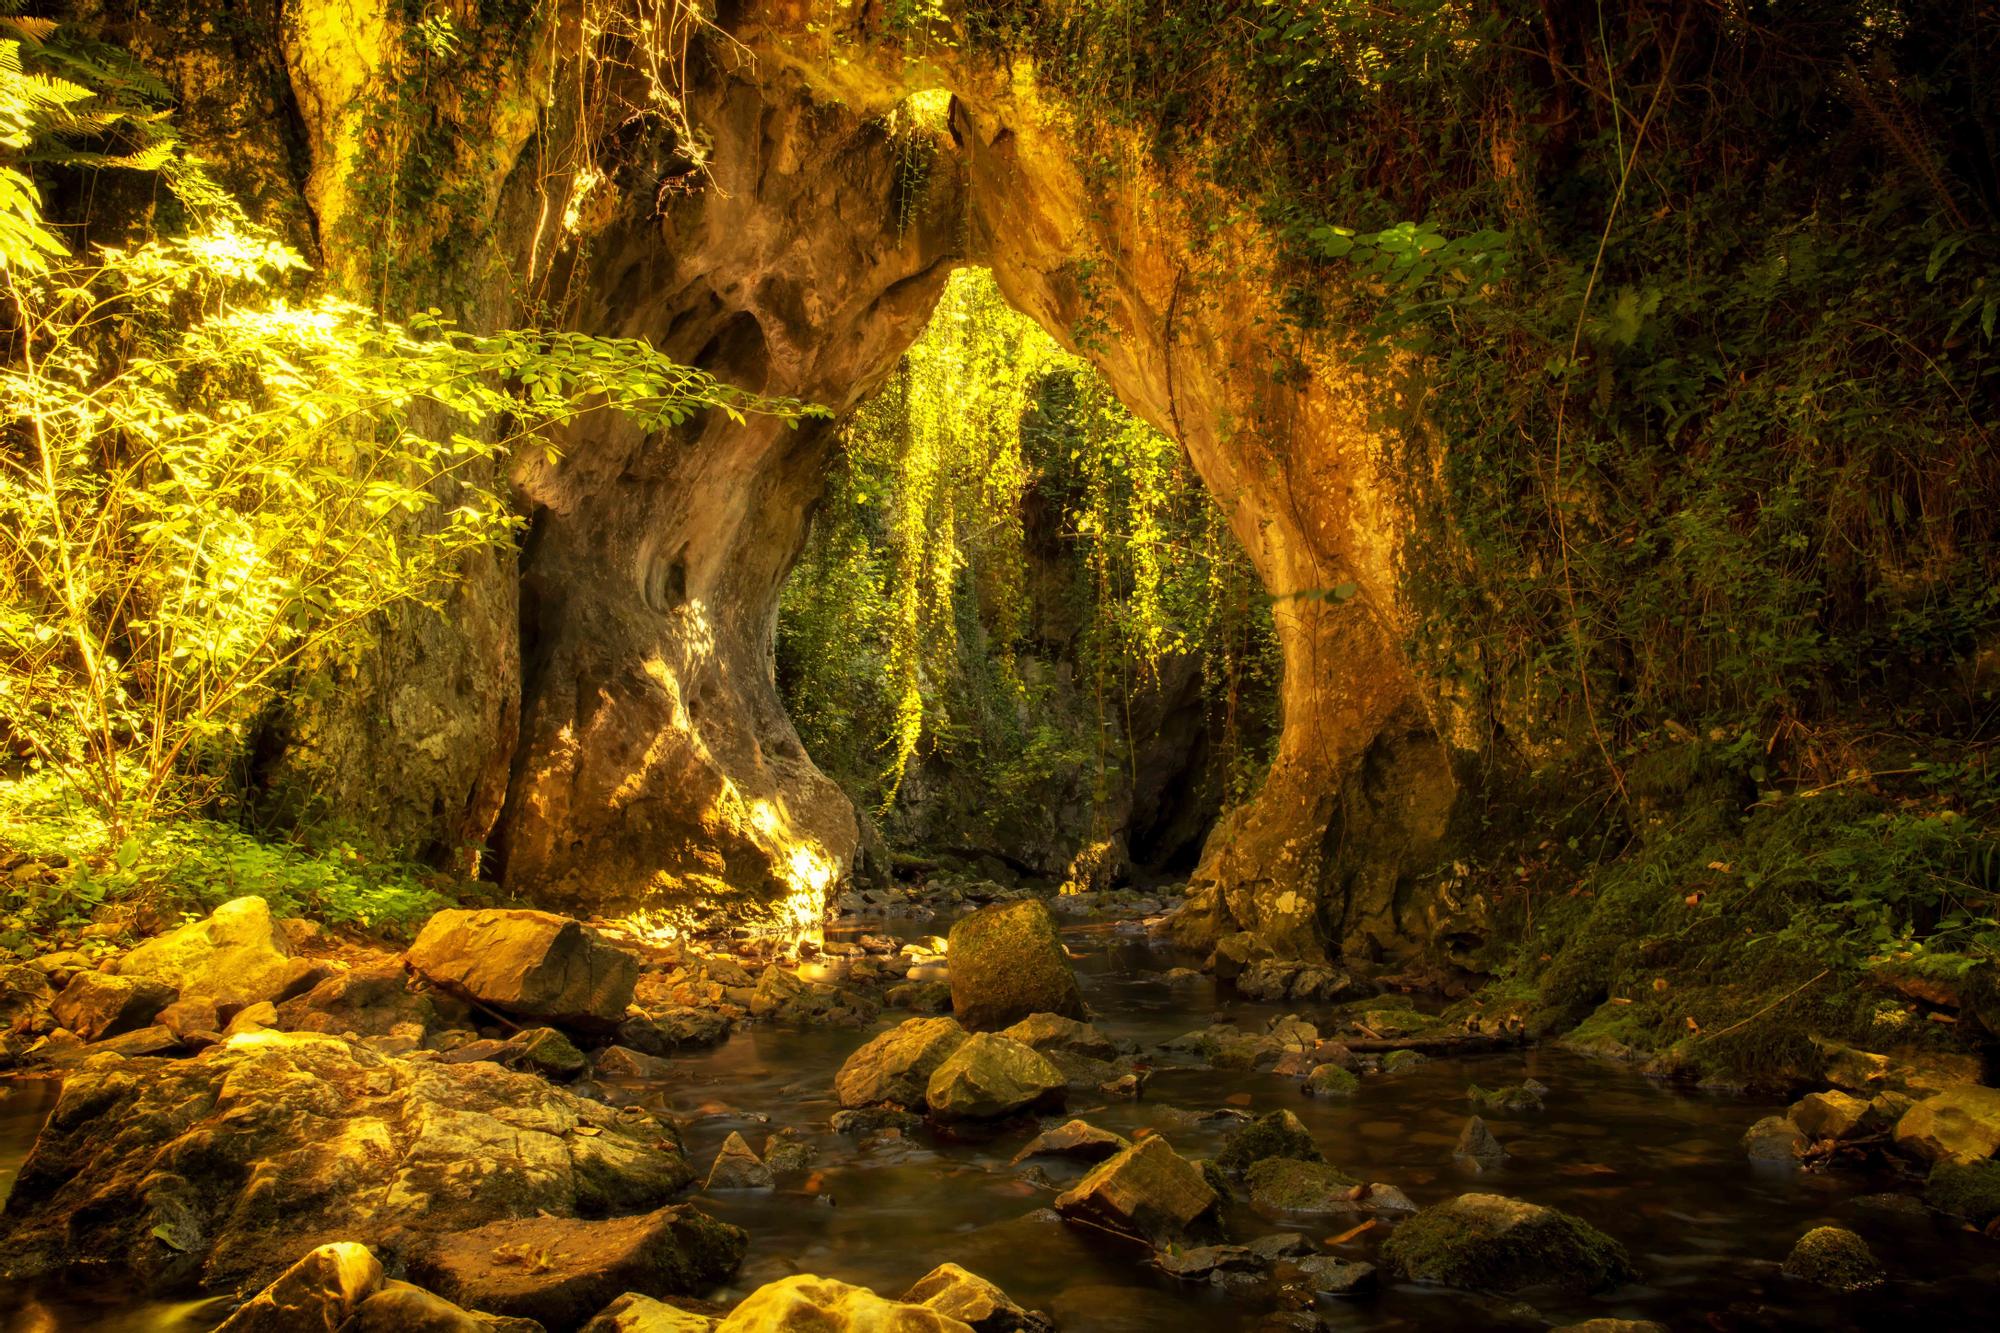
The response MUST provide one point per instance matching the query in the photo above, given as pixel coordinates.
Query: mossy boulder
(1007, 963)
(1970, 1190)
(1959, 1123)
(895, 1067)
(1278, 1134)
(990, 1076)
(1834, 1257)
(1488, 1242)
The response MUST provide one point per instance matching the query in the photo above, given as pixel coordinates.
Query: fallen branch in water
(1453, 1043)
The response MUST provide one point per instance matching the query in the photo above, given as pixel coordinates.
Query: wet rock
(528, 964)
(1402, 1062)
(895, 1067)
(1834, 1257)
(1613, 1326)
(1286, 1185)
(633, 1313)
(738, 1167)
(1282, 1245)
(1830, 1115)
(788, 1152)
(1077, 1139)
(973, 1301)
(672, 1029)
(318, 1292)
(369, 1002)
(96, 1005)
(625, 1063)
(234, 956)
(1277, 1134)
(1332, 1276)
(155, 1040)
(1477, 1147)
(400, 1307)
(821, 1305)
(1126, 1087)
(1968, 1190)
(1958, 1123)
(874, 1120)
(545, 1051)
(1226, 1046)
(561, 1271)
(1054, 1032)
(1331, 1081)
(1488, 1242)
(1084, 1073)
(252, 1018)
(1007, 963)
(920, 997)
(1515, 1099)
(1149, 1191)
(782, 996)
(223, 1168)
(185, 1018)
(1208, 1263)
(990, 1076)
(1235, 953)
(1773, 1139)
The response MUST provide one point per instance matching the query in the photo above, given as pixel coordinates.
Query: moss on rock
(1834, 1257)
(1970, 1190)
(1278, 1134)
(1488, 1242)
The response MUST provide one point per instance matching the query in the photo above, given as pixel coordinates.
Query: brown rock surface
(531, 964)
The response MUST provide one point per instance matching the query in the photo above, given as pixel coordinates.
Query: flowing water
(1656, 1167)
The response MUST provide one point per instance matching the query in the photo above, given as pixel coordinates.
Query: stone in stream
(96, 1005)
(1488, 1242)
(319, 1291)
(1077, 1139)
(280, 1139)
(1007, 963)
(1960, 1123)
(545, 1051)
(873, 1120)
(1276, 1134)
(989, 1076)
(1334, 1276)
(633, 1313)
(1477, 1148)
(561, 1271)
(1968, 1190)
(1402, 1062)
(1209, 1263)
(1514, 1099)
(1829, 1115)
(1053, 1032)
(1773, 1139)
(236, 955)
(1331, 1081)
(895, 1067)
(671, 1029)
(1835, 1258)
(370, 1002)
(528, 965)
(1300, 1188)
(972, 1300)
(1149, 1191)
(920, 997)
(738, 1167)
(400, 1307)
(788, 1152)
(624, 1062)
(1282, 1245)
(822, 1305)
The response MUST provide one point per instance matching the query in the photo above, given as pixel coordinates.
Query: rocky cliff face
(651, 762)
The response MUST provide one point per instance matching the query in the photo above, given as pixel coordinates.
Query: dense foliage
(1006, 560)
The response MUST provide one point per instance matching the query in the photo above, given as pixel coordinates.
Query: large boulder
(990, 1076)
(25, 999)
(560, 1271)
(314, 1295)
(808, 1304)
(222, 1169)
(1053, 1032)
(633, 1313)
(529, 964)
(1962, 1124)
(895, 1067)
(1007, 962)
(1488, 1242)
(235, 956)
(1149, 1191)
(402, 1308)
(96, 1005)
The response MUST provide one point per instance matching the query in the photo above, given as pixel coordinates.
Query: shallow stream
(1659, 1168)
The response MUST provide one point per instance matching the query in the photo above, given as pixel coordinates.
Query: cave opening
(1020, 635)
